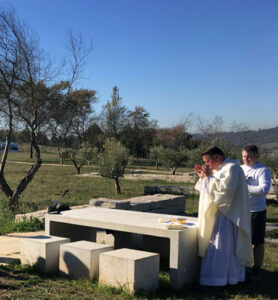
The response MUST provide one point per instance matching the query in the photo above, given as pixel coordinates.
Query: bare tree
(81, 105)
(79, 50)
(76, 106)
(25, 98)
(210, 130)
(243, 132)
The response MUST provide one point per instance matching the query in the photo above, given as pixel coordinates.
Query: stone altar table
(81, 224)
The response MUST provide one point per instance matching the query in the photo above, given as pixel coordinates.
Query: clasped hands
(203, 170)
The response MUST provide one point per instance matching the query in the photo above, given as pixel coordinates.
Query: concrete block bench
(159, 203)
(169, 189)
(132, 269)
(81, 259)
(42, 251)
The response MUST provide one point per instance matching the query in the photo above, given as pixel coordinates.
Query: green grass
(273, 234)
(50, 182)
(50, 155)
(17, 282)
(272, 211)
(26, 225)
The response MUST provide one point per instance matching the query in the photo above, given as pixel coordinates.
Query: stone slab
(157, 201)
(147, 203)
(81, 259)
(144, 206)
(170, 178)
(110, 203)
(132, 269)
(179, 209)
(40, 214)
(169, 189)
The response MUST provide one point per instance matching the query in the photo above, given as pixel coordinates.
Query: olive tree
(155, 153)
(172, 159)
(113, 161)
(271, 161)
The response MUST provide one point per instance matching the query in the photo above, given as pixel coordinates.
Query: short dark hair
(213, 150)
(251, 148)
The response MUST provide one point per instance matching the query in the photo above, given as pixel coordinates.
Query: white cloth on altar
(220, 266)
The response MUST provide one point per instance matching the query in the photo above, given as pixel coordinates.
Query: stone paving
(10, 246)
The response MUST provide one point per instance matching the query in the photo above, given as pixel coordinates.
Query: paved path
(10, 246)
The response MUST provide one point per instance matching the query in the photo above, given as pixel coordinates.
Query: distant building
(13, 147)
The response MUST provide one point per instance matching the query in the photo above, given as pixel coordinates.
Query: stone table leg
(184, 261)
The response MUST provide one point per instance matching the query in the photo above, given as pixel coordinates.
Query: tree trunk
(3, 183)
(60, 154)
(174, 170)
(74, 161)
(31, 150)
(13, 201)
(61, 157)
(78, 168)
(117, 185)
(156, 164)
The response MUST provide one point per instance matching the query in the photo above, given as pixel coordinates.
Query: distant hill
(267, 139)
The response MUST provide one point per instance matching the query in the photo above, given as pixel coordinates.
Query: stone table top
(121, 220)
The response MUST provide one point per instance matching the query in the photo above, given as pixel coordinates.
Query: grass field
(17, 282)
(51, 181)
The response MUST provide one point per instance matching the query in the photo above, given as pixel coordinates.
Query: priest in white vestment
(224, 239)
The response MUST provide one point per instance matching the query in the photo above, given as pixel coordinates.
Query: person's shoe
(256, 274)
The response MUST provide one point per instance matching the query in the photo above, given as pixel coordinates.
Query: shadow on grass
(8, 287)
(265, 288)
(31, 279)
(8, 272)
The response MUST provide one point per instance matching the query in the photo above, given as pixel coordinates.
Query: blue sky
(173, 57)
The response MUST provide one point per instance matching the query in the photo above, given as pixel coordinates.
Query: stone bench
(169, 189)
(158, 203)
(134, 270)
(42, 251)
(81, 259)
(185, 177)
